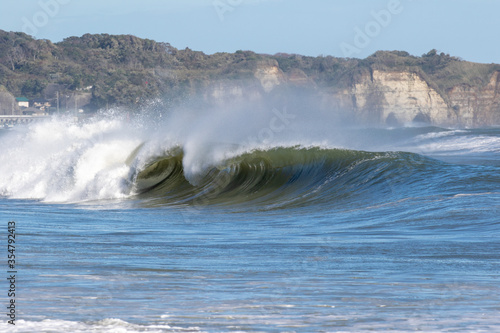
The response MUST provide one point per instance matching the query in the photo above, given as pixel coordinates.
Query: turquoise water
(401, 234)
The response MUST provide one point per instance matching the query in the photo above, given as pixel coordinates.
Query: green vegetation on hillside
(126, 70)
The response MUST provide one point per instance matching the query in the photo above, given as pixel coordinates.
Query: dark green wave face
(278, 178)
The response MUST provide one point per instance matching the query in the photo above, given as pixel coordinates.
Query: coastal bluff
(389, 88)
(401, 97)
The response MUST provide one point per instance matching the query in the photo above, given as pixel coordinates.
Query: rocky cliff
(403, 97)
(477, 106)
(378, 97)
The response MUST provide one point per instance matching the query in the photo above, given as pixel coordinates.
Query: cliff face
(377, 98)
(404, 97)
(477, 107)
(269, 76)
(395, 98)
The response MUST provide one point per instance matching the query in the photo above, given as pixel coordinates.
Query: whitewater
(261, 220)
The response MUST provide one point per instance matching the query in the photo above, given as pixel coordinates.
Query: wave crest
(109, 158)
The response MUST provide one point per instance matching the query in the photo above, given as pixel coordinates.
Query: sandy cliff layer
(398, 98)
(477, 107)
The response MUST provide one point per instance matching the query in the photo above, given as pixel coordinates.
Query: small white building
(23, 102)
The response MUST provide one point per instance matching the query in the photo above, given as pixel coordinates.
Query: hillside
(98, 71)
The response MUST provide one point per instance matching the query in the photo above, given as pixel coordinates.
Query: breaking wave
(61, 161)
(109, 157)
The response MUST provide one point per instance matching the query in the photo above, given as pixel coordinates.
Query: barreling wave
(277, 177)
(59, 161)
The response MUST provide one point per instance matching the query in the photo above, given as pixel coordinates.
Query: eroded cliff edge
(388, 96)
(403, 97)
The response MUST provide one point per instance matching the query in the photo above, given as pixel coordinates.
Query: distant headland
(92, 72)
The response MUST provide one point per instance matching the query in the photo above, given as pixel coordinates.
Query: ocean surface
(205, 223)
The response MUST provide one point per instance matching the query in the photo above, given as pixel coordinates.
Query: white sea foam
(103, 326)
(59, 160)
(435, 135)
(463, 145)
(454, 143)
(354, 322)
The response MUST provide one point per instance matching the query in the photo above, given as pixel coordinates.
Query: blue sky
(356, 28)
